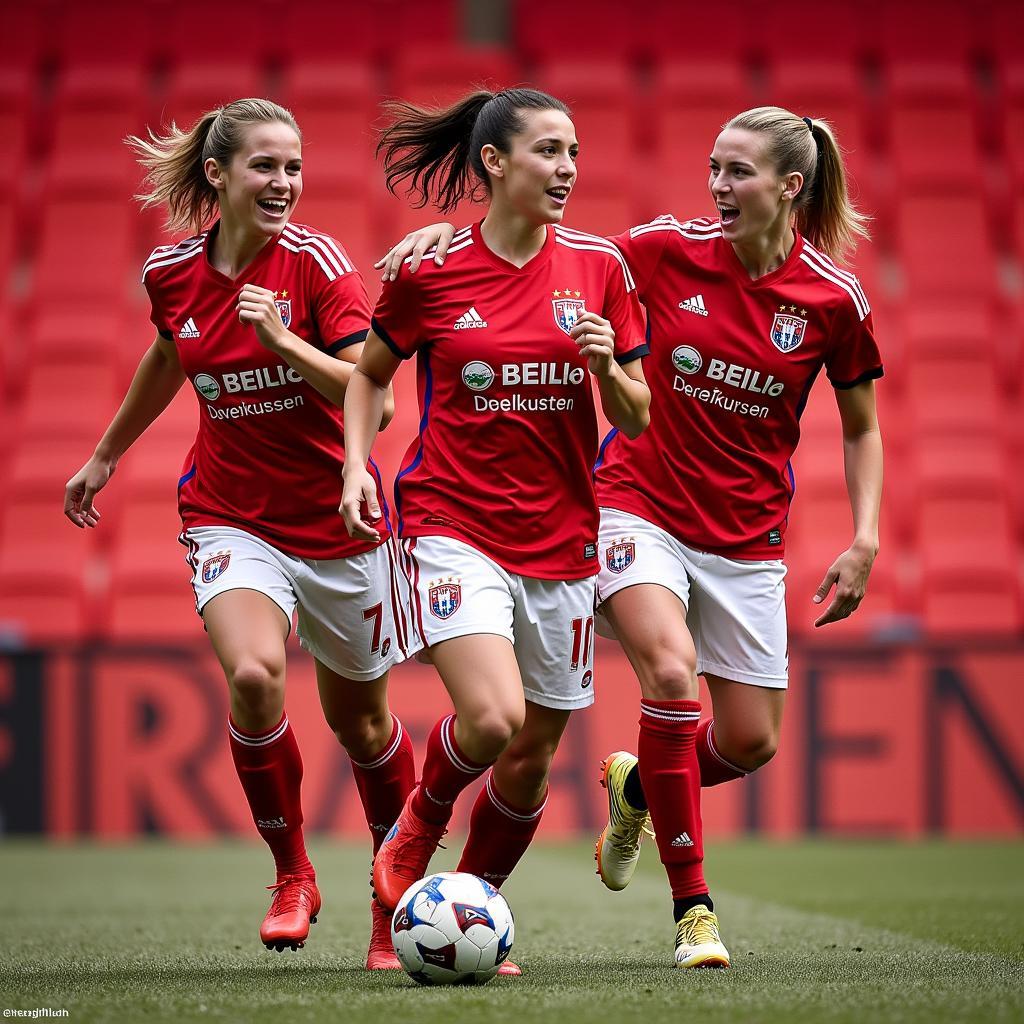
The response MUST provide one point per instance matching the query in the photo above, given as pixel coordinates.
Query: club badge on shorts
(788, 331)
(445, 598)
(620, 555)
(215, 566)
(568, 310)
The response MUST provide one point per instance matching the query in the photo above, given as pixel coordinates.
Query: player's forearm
(626, 402)
(364, 408)
(863, 461)
(157, 380)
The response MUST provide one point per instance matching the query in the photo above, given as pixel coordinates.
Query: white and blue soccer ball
(452, 928)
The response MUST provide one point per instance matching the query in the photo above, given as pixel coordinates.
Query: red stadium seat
(922, 29)
(969, 601)
(959, 393)
(691, 102)
(437, 76)
(69, 400)
(43, 562)
(543, 34)
(839, 31)
(196, 86)
(118, 31)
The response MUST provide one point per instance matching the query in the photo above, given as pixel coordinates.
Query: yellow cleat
(698, 943)
(618, 847)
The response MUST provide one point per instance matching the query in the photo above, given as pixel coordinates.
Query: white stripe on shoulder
(177, 255)
(594, 243)
(328, 270)
(846, 275)
(862, 308)
(326, 243)
(698, 230)
(316, 246)
(460, 240)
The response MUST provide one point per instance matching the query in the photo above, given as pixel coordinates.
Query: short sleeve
(642, 247)
(341, 310)
(397, 316)
(852, 357)
(156, 311)
(622, 309)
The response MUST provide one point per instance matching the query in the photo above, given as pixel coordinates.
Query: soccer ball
(452, 928)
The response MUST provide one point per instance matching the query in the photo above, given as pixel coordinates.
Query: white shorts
(459, 591)
(352, 612)
(735, 610)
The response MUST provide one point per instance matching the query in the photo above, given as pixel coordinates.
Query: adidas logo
(683, 839)
(470, 319)
(188, 329)
(694, 305)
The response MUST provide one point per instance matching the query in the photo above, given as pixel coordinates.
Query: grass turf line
(830, 932)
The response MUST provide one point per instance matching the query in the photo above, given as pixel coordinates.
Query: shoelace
(628, 844)
(697, 931)
(289, 893)
(409, 857)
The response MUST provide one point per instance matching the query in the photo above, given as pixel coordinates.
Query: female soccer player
(744, 310)
(266, 318)
(495, 500)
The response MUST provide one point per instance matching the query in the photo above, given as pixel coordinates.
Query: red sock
(385, 782)
(269, 767)
(714, 769)
(499, 834)
(446, 773)
(671, 780)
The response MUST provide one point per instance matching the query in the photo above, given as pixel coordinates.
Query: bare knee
(489, 733)
(748, 750)
(257, 690)
(671, 677)
(362, 735)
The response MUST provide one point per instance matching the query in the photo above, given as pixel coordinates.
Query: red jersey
(269, 452)
(732, 362)
(508, 429)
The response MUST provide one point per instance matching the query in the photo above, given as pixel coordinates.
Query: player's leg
(743, 735)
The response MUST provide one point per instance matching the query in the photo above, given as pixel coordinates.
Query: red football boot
(293, 909)
(509, 970)
(404, 855)
(381, 954)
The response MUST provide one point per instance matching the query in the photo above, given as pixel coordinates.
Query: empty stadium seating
(927, 97)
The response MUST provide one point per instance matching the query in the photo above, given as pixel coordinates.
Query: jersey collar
(530, 267)
(740, 272)
(223, 280)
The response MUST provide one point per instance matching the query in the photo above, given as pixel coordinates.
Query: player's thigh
(533, 749)
(248, 631)
(649, 621)
(748, 719)
(353, 613)
(356, 710)
(554, 624)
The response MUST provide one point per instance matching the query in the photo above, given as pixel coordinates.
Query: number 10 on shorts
(582, 638)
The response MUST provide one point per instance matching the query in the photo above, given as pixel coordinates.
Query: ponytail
(437, 152)
(174, 161)
(824, 212)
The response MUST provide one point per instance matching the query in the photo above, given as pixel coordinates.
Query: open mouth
(727, 214)
(560, 194)
(275, 207)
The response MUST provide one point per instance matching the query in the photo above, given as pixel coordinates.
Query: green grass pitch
(819, 931)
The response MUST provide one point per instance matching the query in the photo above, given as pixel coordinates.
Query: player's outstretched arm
(625, 397)
(862, 454)
(157, 380)
(364, 407)
(416, 244)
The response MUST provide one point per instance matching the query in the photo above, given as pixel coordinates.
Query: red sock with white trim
(671, 780)
(385, 781)
(714, 769)
(269, 767)
(446, 773)
(499, 834)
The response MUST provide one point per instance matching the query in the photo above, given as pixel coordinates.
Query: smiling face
(537, 174)
(262, 183)
(754, 201)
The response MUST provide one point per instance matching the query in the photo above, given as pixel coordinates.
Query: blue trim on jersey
(428, 394)
(604, 444)
(792, 479)
(380, 491)
(188, 476)
(802, 404)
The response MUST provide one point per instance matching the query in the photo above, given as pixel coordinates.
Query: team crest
(445, 598)
(787, 331)
(567, 312)
(284, 307)
(216, 565)
(620, 556)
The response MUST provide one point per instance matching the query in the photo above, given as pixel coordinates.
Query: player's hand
(81, 489)
(415, 244)
(256, 307)
(359, 492)
(596, 340)
(849, 575)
